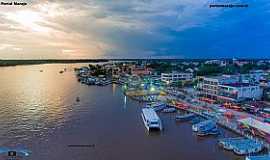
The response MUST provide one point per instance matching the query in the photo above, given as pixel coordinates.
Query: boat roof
(265, 127)
(150, 114)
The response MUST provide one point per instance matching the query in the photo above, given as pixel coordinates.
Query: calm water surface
(38, 111)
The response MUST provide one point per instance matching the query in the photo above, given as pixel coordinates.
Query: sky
(78, 29)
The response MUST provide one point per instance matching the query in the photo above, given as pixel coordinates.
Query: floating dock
(241, 145)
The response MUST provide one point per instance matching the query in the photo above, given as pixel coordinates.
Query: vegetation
(213, 69)
(209, 69)
(161, 67)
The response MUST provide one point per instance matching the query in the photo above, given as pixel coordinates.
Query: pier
(241, 146)
(204, 112)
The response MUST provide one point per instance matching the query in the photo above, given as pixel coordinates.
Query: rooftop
(238, 84)
(265, 127)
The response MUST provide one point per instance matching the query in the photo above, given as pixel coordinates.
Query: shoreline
(8, 63)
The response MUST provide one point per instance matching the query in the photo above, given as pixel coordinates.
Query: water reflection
(33, 102)
(125, 101)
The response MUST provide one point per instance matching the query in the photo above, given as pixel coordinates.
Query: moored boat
(151, 119)
(213, 131)
(158, 106)
(204, 125)
(185, 117)
(169, 110)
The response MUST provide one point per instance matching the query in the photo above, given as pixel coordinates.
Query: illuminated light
(125, 100)
(125, 86)
(152, 89)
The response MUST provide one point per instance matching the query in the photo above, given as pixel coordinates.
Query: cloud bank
(134, 29)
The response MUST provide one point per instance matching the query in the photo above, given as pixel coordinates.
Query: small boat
(196, 120)
(61, 72)
(151, 119)
(41, 70)
(156, 106)
(78, 99)
(169, 110)
(214, 131)
(227, 146)
(203, 126)
(185, 117)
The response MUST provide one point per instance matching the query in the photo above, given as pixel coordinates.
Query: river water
(39, 112)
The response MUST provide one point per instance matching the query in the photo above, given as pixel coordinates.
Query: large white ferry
(151, 119)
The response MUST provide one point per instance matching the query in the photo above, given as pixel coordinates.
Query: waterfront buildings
(174, 77)
(140, 71)
(239, 91)
(232, 88)
(209, 86)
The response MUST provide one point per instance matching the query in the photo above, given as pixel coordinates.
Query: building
(235, 92)
(217, 62)
(140, 71)
(209, 86)
(175, 77)
(232, 88)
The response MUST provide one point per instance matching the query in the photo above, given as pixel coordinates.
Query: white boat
(151, 119)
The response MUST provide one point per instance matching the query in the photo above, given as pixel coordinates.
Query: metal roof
(265, 127)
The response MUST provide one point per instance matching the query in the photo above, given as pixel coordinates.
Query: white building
(209, 86)
(239, 91)
(229, 88)
(175, 77)
(217, 62)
